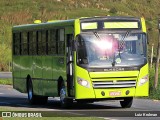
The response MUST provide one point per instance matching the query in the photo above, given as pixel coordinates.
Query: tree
(157, 62)
(113, 10)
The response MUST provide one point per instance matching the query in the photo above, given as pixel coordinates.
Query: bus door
(69, 65)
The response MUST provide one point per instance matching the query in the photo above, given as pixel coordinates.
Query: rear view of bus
(110, 59)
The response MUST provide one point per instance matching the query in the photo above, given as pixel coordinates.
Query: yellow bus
(83, 60)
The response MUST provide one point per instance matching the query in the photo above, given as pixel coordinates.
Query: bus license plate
(115, 93)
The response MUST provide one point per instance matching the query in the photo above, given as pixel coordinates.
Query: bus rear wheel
(31, 97)
(65, 102)
(34, 99)
(127, 102)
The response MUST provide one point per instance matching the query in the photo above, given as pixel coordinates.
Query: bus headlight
(143, 80)
(83, 82)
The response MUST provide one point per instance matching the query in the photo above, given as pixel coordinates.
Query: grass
(6, 81)
(154, 93)
(54, 118)
(46, 118)
(13, 13)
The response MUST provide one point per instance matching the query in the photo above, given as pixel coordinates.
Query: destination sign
(114, 25)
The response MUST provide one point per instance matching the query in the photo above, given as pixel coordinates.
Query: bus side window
(16, 43)
(24, 43)
(61, 43)
(34, 50)
(30, 42)
(43, 48)
(51, 42)
(39, 42)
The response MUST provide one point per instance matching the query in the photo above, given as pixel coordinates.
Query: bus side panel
(82, 92)
(17, 81)
(37, 75)
(59, 70)
(25, 70)
(142, 90)
(47, 81)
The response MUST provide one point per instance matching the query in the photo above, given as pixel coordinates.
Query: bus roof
(59, 23)
(113, 18)
(44, 25)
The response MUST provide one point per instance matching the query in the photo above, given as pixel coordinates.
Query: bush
(113, 10)
(153, 93)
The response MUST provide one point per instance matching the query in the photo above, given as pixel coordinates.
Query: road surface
(5, 74)
(10, 98)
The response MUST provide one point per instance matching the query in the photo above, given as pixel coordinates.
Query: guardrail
(5, 74)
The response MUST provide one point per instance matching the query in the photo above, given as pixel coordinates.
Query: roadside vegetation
(18, 12)
(6, 81)
(67, 116)
(54, 118)
(153, 93)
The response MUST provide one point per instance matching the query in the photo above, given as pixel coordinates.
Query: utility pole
(151, 56)
(158, 57)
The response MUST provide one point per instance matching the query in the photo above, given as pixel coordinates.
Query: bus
(82, 60)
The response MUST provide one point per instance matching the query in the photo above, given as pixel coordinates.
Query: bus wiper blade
(120, 46)
(97, 36)
(122, 42)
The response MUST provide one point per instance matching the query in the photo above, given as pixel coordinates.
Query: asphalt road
(5, 74)
(12, 99)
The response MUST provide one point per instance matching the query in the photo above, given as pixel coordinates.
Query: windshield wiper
(97, 36)
(119, 46)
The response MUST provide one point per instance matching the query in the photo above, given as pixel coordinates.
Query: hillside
(15, 12)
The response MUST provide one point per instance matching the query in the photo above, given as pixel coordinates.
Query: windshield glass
(108, 50)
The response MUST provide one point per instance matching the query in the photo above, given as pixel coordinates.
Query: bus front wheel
(65, 102)
(127, 102)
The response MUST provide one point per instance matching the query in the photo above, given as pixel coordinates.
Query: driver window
(81, 51)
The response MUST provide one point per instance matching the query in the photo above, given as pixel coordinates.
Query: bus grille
(114, 84)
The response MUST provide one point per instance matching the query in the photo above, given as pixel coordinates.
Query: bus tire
(127, 102)
(65, 102)
(35, 99)
(32, 99)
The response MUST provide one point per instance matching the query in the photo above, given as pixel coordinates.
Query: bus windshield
(108, 50)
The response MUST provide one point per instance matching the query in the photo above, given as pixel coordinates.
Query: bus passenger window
(16, 43)
(52, 42)
(34, 50)
(39, 42)
(61, 45)
(30, 37)
(24, 43)
(43, 48)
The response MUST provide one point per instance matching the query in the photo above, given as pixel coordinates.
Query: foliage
(16, 12)
(6, 81)
(113, 10)
(153, 93)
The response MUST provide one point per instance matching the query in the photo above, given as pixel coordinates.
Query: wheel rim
(62, 95)
(30, 93)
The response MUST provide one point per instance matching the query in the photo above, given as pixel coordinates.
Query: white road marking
(105, 118)
(75, 113)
